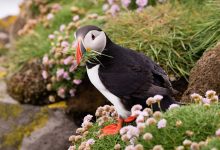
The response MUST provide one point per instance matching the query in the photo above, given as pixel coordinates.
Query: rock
(28, 85)
(205, 75)
(32, 127)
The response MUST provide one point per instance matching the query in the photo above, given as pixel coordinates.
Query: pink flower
(105, 7)
(172, 106)
(90, 142)
(87, 118)
(51, 36)
(141, 3)
(217, 133)
(206, 101)
(56, 7)
(158, 98)
(44, 74)
(114, 9)
(73, 67)
(66, 76)
(61, 92)
(45, 60)
(64, 44)
(60, 73)
(75, 18)
(68, 60)
(110, 2)
(162, 123)
(50, 16)
(77, 81)
(62, 27)
(130, 147)
(125, 3)
(74, 44)
(72, 92)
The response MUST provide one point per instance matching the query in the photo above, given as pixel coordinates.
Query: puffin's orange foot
(129, 119)
(113, 128)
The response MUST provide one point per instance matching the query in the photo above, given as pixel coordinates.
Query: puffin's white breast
(93, 74)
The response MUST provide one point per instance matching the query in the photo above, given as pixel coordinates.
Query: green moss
(9, 111)
(201, 120)
(15, 137)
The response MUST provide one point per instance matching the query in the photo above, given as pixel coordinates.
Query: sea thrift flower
(114, 9)
(105, 7)
(217, 133)
(51, 36)
(147, 136)
(117, 147)
(141, 126)
(139, 147)
(72, 148)
(66, 76)
(158, 147)
(173, 106)
(180, 148)
(45, 60)
(61, 92)
(148, 111)
(206, 101)
(125, 3)
(150, 101)
(72, 92)
(90, 142)
(77, 81)
(141, 3)
(202, 143)
(56, 7)
(187, 142)
(151, 121)
(60, 73)
(214, 99)
(210, 93)
(52, 99)
(62, 27)
(110, 2)
(44, 74)
(130, 147)
(162, 123)
(68, 60)
(158, 98)
(194, 146)
(130, 131)
(157, 115)
(64, 44)
(179, 123)
(196, 97)
(189, 133)
(75, 18)
(50, 16)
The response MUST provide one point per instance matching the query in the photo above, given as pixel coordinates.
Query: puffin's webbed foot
(115, 128)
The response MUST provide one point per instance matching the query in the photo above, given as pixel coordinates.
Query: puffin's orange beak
(78, 53)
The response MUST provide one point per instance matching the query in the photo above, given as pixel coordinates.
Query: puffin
(124, 76)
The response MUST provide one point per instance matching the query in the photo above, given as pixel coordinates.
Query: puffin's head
(89, 38)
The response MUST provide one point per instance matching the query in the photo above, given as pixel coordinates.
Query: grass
(175, 35)
(201, 120)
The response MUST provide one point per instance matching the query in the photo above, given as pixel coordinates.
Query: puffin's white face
(94, 40)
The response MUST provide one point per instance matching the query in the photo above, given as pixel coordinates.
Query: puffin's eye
(93, 37)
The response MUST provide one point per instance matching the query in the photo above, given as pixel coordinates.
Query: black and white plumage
(126, 77)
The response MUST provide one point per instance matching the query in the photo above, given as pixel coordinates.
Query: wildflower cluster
(60, 65)
(82, 133)
(114, 6)
(46, 14)
(210, 98)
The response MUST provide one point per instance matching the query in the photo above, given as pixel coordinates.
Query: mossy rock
(27, 85)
